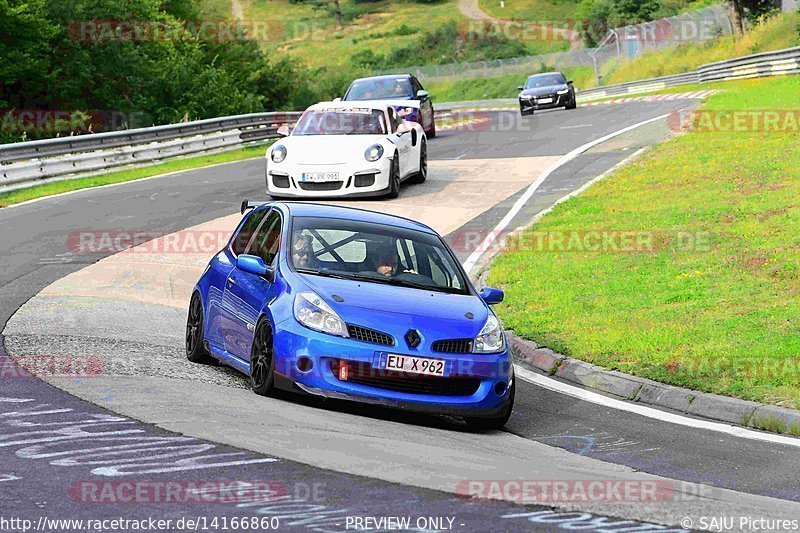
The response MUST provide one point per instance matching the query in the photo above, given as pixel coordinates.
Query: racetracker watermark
(464, 240)
(60, 122)
(208, 30)
(51, 366)
(741, 121)
(659, 31)
(533, 492)
(233, 492)
(581, 241)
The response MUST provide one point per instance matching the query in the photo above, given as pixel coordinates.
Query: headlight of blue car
(491, 338)
(373, 153)
(278, 154)
(312, 312)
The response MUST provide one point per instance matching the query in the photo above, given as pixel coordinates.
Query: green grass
(565, 10)
(379, 28)
(49, 189)
(719, 316)
(773, 34)
(535, 10)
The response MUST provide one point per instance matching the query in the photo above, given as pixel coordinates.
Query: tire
(394, 177)
(262, 360)
(430, 134)
(422, 175)
(195, 349)
(485, 424)
(573, 104)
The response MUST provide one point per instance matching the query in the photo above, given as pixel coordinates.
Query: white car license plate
(544, 101)
(320, 177)
(415, 365)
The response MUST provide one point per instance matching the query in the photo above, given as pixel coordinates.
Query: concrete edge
(709, 406)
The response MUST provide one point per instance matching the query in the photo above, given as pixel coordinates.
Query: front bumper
(356, 180)
(494, 372)
(529, 104)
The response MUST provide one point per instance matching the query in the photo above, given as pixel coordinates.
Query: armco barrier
(26, 163)
(778, 63)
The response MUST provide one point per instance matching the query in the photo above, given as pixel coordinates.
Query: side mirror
(423, 95)
(570, 82)
(404, 128)
(255, 265)
(492, 296)
(337, 99)
(520, 87)
(283, 131)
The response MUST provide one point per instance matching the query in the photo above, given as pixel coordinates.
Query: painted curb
(714, 407)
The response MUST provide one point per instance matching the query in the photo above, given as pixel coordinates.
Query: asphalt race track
(313, 465)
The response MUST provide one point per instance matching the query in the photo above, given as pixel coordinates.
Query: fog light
(304, 364)
(500, 388)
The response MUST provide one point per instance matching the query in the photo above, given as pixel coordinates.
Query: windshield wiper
(410, 284)
(323, 273)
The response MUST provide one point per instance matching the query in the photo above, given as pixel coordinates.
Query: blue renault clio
(352, 304)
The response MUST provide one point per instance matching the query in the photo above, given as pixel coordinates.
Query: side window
(242, 239)
(268, 238)
(408, 254)
(416, 85)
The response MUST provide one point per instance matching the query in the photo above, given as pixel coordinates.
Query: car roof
(385, 77)
(311, 209)
(545, 74)
(353, 104)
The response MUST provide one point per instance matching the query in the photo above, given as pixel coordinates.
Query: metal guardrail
(27, 163)
(637, 87)
(778, 63)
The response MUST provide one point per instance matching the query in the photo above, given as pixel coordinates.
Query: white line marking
(472, 260)
(650, 412)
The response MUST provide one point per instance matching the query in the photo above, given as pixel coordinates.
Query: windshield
(341, 122)
(545, 80)
(381, 89)
(372, 252)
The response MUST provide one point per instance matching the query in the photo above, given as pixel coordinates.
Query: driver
(301, 251)
(386, 265)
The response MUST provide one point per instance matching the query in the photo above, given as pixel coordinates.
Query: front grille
(369, 335)
(327, 186)
(279, 181)
(365, 374)
(453, 346)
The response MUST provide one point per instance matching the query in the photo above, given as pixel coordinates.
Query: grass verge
(712, 302)
(49, 189)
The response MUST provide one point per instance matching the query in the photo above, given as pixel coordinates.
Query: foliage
(708, 300)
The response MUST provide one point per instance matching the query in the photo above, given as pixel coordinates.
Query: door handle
(231, 281)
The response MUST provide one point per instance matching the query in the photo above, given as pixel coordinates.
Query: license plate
(544, 101)
(415, 365)
(320, 177)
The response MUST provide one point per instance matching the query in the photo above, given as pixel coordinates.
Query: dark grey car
(546, 91)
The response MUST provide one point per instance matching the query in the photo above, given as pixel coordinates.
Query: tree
(748, 10)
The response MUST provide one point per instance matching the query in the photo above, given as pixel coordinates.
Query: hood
(542, 91)
(395, 310)
(328, 149)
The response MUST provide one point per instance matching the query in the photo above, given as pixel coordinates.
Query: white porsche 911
(347, 149)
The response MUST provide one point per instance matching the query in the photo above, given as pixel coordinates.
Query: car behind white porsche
(344, 149)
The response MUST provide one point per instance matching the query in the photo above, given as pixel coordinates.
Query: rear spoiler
(246, 204)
